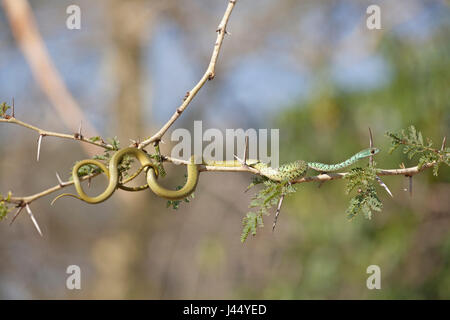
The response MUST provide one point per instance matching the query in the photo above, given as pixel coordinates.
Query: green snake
(285, 172)
(296, 169)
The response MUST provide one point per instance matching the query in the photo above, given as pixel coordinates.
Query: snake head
(369, 152)
(374, 150)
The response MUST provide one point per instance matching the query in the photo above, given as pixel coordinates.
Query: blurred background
(310, 68)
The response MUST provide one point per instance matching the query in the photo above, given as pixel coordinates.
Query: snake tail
(112, 173)
(186, 190)
(76, 181)
(321, 167)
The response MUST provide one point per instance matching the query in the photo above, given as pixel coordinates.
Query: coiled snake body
(287, 172)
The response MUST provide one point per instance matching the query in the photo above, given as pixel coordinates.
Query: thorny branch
(25, 31)
(23, 202)
(208, 75)
(204, 168)
(44, 133)
(156, 138)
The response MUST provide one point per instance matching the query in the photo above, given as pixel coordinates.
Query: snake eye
(372, 151)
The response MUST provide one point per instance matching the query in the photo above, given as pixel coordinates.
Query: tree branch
(22, 201)
(204, 168)
(380, 172)
(76, 136)
(34, 38)
(208, 75)
(29, 40)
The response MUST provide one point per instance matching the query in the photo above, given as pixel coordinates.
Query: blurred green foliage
(409, 240)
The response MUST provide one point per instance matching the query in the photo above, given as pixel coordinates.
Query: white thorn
(33, 219)
(240, 160)
(39, 147)
(59, 179)
(384, 186)
(79, 129)
(277, 212)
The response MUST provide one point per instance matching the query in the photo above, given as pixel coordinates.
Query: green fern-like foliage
(4, 208)
(159, 161)
(366, 199)
(250, 222)
(115, 143)
(175, 204)
(414, 144)
(159, 164)
(123, 167)
(3, 109)
(263, 201)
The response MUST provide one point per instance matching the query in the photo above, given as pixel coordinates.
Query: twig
(208, 75)
(43, 132)
(29, 199)
(380, 172)
(205, 168)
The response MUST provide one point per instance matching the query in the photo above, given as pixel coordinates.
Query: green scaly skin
(296, 169)
(112, 173)
(335, 167)
(186, 190)
(287, 172)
